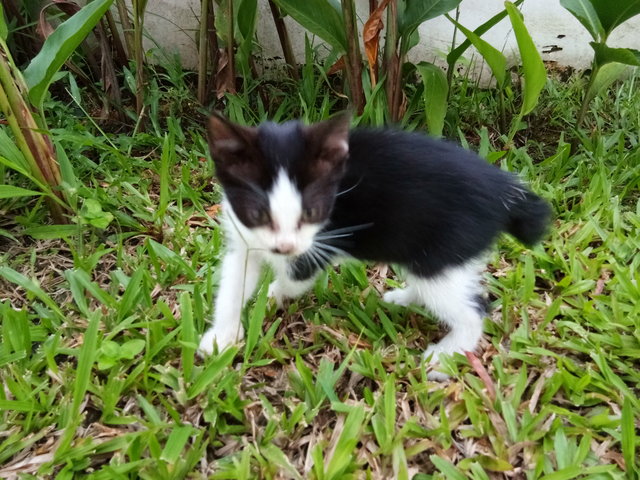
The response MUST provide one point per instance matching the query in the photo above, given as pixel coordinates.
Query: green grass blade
(629, 439)
(16, 277)
(349, 437)
(211, 371)
(187, 334)
(86, 360)
(175, 444)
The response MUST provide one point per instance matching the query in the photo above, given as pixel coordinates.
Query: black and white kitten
(297, 197)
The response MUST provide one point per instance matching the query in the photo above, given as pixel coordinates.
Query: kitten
(297, 197)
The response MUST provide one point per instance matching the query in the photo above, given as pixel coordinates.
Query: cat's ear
(229, 142)
(328, 142)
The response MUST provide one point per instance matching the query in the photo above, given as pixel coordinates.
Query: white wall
(559, 36)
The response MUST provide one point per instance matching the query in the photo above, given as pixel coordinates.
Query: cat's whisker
(330, 237)
(330, 249)
(349, 189)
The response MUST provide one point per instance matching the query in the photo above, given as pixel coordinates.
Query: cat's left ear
(328, 142)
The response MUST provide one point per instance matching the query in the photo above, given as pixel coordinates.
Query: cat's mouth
(285, 250)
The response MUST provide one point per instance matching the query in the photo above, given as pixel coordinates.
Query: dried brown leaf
(371, 38)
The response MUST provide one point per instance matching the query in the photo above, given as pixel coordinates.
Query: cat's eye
(259, 216)
(309, 213)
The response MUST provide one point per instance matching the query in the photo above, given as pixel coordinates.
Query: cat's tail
(529, 215)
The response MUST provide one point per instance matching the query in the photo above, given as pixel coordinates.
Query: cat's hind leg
(454, 297)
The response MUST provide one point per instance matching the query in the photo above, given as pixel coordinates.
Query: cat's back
(393, 150)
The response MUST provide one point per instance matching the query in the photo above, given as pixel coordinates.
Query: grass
(100, 322)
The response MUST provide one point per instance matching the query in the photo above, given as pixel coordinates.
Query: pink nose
(285, 248)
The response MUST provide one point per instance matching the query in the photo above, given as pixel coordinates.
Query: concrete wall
(559, 36)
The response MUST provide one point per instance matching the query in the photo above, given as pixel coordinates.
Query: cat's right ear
(229, 143)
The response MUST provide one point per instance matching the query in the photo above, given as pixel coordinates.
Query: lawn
(101, 318)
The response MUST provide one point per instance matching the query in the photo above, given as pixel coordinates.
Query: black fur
(396, 197)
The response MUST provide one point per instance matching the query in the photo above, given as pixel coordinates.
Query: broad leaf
(605, 54)
(457, 52)
(9, 191)
(586, 14)
(535, 75)
(601, 17)
(321, 17)
(435, 96)
(247, 14)
(412, 13)
(614, 13)
(59, 46)
(605, 76)
(495, 59)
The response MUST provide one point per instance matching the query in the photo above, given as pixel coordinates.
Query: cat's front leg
(293, 277)
(240, 273)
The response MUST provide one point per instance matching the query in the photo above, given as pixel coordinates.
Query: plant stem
(587, 95)
(392, 62)
(203, 44)
(35, 146)
(230, 50)
(353, 64)
(127, 29)
(285, 42)
(139, 7)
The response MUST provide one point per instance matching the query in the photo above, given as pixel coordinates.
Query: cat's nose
(284, 248)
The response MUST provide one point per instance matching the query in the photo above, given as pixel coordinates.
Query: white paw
(446, 346)
(222, 336)
(432, 354)
(399, 296)
(276, 291)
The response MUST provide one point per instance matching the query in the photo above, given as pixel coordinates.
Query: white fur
(247, 250)
(451, 297)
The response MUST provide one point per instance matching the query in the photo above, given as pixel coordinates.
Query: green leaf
(605, 54)
(59, 46)
(586, 14)
(435, 96)
(535, 75)
(32, 287)
(131, 348)
(412, 13)
(175, 444)
(48, 232)
(629, 439)
(349, 438)
(211, 371)
(9, 191)
(4, 30)
(320, 17)
(495, 59)
(92, 214)
(449, 471)
(247, 15)
(611, 14)
(457, 52)
(605, 76)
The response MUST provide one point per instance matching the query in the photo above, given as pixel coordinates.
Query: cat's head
(280, 179)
